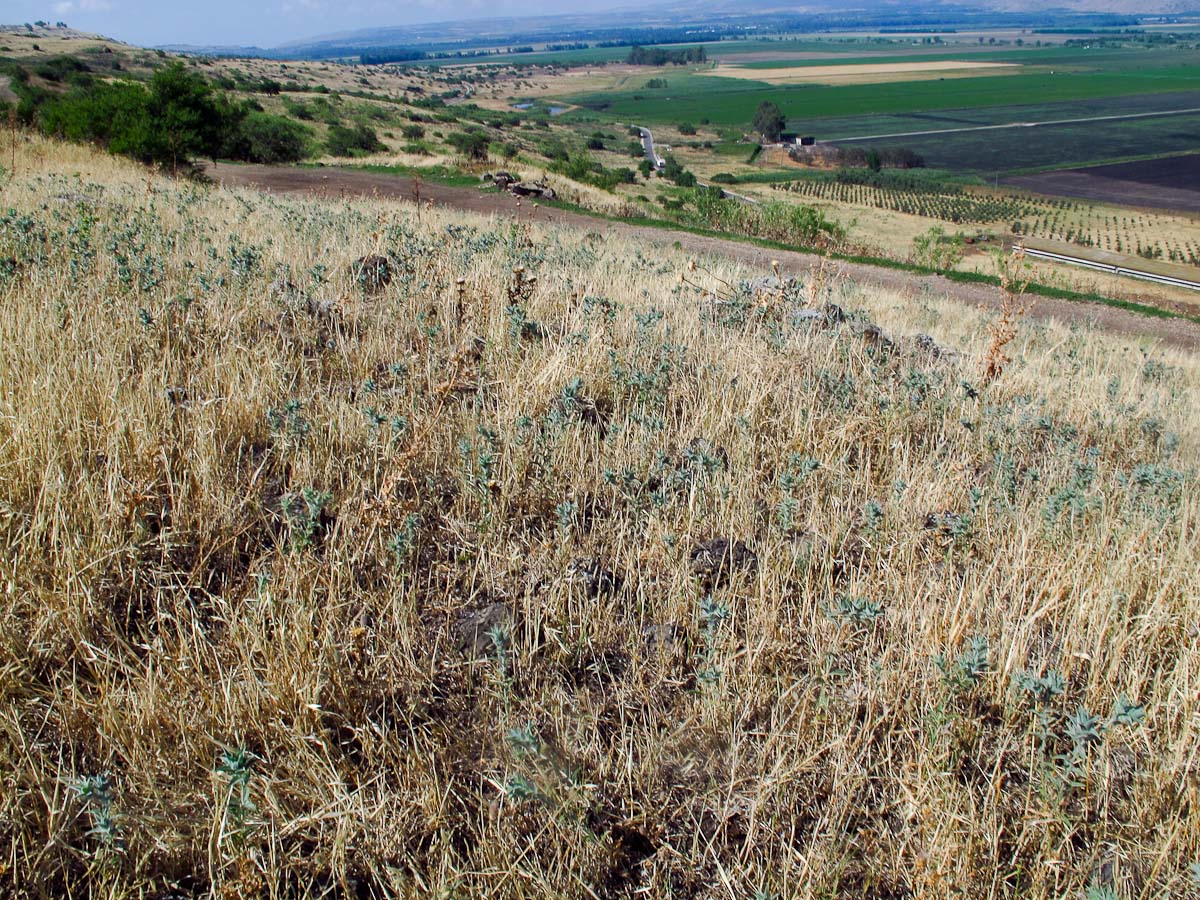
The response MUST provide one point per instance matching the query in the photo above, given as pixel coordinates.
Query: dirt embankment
(331, 183)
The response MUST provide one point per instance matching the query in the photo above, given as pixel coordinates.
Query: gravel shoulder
(332, 184)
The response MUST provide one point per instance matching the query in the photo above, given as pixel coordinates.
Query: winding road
(659, 164)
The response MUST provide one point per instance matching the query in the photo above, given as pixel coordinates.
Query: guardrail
(1108, 267)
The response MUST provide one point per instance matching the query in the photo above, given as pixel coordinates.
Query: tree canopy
(175, 118)
(769, 122)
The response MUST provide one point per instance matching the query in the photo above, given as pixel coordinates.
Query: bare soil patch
(333, 184)
(1172, 183)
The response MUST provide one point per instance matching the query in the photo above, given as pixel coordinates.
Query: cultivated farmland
(1170, 183)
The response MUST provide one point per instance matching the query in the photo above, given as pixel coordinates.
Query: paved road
(648, 146)
(905, 134)
(658, 162)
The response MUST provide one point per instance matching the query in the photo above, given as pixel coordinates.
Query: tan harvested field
(405, 580)
(865, 73)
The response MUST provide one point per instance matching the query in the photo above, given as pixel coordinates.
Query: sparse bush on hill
(263, 138)
(174, 118)
(471, 144)
(561, 564)
(353, 141)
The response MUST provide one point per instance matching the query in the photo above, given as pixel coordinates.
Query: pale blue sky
(265, 23)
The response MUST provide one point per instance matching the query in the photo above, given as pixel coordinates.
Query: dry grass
(866, 73)
(247, 503)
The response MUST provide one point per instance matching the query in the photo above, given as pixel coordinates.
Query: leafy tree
(187, 116)
(769, 122)
(687, 128)
(673, 171)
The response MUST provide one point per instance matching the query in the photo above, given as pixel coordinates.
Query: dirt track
(336, 183)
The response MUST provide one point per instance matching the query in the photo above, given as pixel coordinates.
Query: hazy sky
(263, 22)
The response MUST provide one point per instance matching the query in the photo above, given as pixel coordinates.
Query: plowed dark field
(1172, 183)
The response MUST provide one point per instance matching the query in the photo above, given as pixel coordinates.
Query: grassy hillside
(403, 578)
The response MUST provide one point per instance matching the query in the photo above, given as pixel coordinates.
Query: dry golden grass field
(865, 73)
(356, 549)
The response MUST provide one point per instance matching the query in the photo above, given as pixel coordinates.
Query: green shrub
(361, 139)
(471, 144)
(263, 138)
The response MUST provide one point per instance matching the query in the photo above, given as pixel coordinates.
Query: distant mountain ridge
(697, 20)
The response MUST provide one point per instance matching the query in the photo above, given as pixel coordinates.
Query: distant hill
(682, 21)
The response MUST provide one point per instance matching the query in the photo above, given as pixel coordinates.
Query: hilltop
(363, 548)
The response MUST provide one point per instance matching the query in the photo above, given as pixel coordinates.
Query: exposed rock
(714, 561)
(473, 631)
(533, 189)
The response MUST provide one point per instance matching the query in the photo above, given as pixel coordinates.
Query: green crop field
(844, 127)
(728, 101)
(1051, 85)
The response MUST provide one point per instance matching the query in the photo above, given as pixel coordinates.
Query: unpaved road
(332, 183)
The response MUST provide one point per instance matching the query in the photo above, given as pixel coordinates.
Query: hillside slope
(354, 548)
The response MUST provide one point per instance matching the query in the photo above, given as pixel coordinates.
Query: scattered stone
(926, 347)
(876, 338)
(285, 290)
(834, 314)
(596, 580)
(714, 561)
(534, 189)
(948, 524)
(472, 632)
(702, 448)
(663, 637)
(373, 272)
(320, 309)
